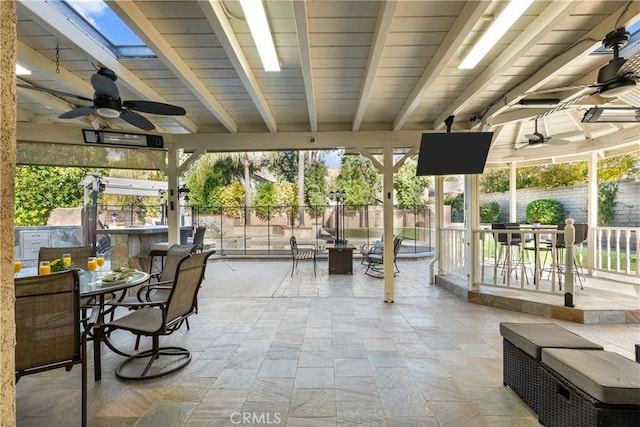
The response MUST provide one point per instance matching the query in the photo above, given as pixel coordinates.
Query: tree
(41, 189)
(287, 197)
(283, 164)
(360, 180)
(409, 187)
(561, 175)
(210, 173)
(315, 187)
(232, 198)
(619, 167)
(494, 181)
(266, 200)
(457, 206)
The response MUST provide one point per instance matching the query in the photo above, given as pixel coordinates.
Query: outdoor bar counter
(130, 246)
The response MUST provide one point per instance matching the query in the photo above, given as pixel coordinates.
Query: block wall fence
(574, 200)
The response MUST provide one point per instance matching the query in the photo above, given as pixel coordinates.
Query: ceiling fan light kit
(108, 104)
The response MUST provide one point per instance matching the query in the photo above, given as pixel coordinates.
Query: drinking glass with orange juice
(92, 263)
(66, 259)
(17, 266)
(44, 268)
(100, 260)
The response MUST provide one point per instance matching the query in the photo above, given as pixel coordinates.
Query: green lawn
(581, 253)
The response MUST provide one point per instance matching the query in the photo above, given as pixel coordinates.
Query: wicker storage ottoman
(522, 346)
(584, 388)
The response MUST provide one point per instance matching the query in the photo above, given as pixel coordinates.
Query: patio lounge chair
(375, 261)
(154, 319)
(366, 250)
(297, 254)
(48, 327)
(198, 239)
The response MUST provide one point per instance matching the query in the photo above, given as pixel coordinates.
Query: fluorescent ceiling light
(257, 21)
(21, 71)
(496, 30)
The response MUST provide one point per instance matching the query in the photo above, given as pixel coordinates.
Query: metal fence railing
(265, 230)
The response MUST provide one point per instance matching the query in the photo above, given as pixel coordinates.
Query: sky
(98, 14)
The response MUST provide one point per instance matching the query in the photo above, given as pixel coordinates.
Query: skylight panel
(98, 20)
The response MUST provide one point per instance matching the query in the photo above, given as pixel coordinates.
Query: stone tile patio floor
(314, 351)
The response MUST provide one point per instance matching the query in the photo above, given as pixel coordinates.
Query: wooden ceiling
(352, 71)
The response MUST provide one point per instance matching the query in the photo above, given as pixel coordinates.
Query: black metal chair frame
(302, 251)
(34, 340)
(557, 249)
(198, 238)
(154, 319)
(365, 250)
(375, 261)
(508, 240)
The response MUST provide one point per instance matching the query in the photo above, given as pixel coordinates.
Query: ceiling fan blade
(103, 85)
(578, 134)
(77, 112)
(54, 92)
(136, 120)
(155, 108)
(556, 141)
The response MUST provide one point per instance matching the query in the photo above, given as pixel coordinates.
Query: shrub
(547, 211)
(457, 207)
(490, 212)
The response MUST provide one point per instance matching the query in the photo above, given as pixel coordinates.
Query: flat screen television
(453, 153)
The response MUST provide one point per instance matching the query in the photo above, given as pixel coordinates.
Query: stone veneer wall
(8, 100)
(574, 199)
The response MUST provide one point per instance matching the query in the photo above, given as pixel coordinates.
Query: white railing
(616, 249)
(452, 251)
(521, 260)
(532, 265)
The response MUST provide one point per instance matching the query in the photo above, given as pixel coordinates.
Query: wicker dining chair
(48, 330)
(155, 319)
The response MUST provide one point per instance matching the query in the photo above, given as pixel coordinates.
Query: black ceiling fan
(107, 103)
(618, 78)
(537, 139)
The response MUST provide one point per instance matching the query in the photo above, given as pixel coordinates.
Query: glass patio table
(95, 285)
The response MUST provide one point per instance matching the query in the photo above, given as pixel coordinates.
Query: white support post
(173, 214)
(387, 189)
(472, 222)
(436, 264)
(592, 211)
(513, 204)
(569, 241)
